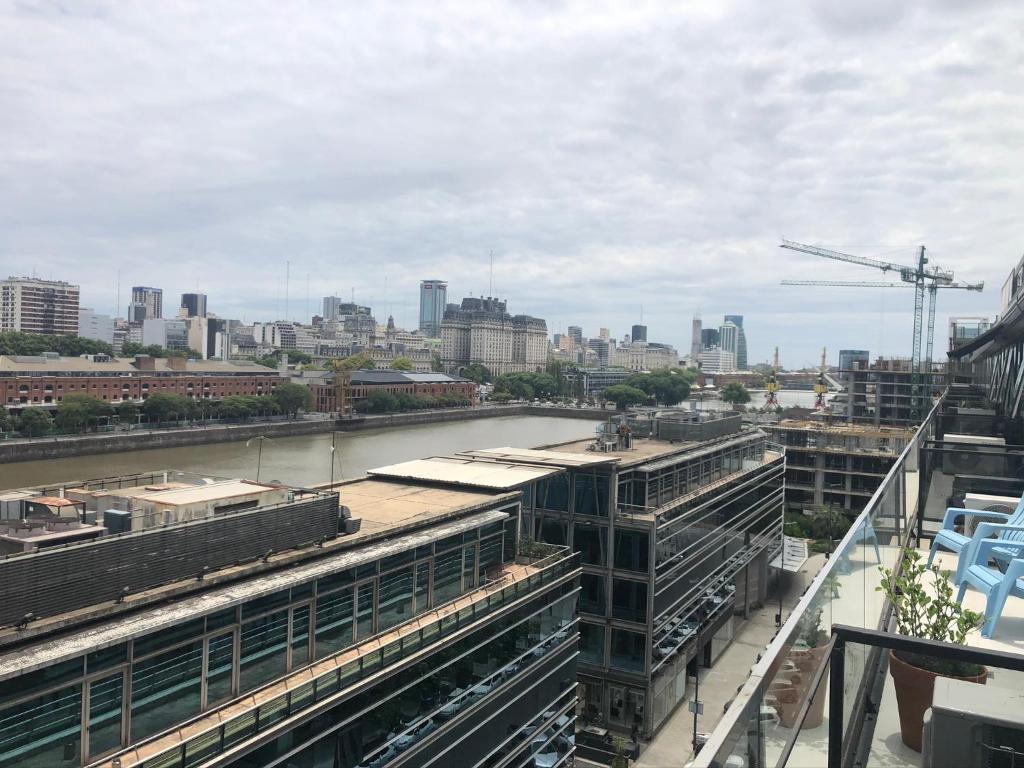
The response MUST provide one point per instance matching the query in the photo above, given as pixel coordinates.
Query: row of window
(591, 541)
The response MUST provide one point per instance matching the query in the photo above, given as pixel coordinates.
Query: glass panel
(106, 658)
(167, 637)
(490, 556)
(631, 550)
(333, 622)
(592, 643)
(591, 541)
(44, 678)
(592, 594)
(105, 700)
(628, 650)
(447, 572)
(165, 689)
(629, 600)
(364, 611)
(469, 569)
(300, 637)
(264, 656)
(220, 661)
(44, 731)
(422, 587)
(395, 602)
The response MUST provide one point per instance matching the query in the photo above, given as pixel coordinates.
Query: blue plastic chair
(866, 532)
(996, 586)
(958, 542)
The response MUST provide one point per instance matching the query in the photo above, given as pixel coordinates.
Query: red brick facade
(325, 395)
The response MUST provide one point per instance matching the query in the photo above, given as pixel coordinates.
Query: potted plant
(929, 615)
(793, 685)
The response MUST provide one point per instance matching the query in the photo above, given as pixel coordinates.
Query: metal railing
(841, 593)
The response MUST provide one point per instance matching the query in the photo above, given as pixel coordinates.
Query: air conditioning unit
(973, 726)
(981, 455)
(984, 502)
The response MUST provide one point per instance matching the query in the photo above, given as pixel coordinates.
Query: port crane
(921, 277)
(821, 386)
(771, 394)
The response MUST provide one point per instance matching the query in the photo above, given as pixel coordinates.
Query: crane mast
(821, 386)
(771, 395)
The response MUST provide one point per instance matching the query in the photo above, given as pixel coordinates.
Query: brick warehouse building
(362, 383)
(43, 381)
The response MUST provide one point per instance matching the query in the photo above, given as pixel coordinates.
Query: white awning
(793, 556)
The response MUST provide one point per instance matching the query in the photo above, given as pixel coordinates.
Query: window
(592, 594)
(165, 689)
(264, 650)
(631, 550)
(395, 598)
(44, 730)
(591, 643)
(629, 600)
(219, 663)
(105, 714)
(364, 610)
(300, 636)
(591, 541)
(628, 650)
(591, 494)
(447, 573)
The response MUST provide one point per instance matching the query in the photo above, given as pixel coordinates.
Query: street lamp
(259, 455)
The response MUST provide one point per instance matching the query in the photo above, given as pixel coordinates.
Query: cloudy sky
(611, 156)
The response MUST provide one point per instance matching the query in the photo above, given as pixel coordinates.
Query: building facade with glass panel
(422, 636)
(674, 539)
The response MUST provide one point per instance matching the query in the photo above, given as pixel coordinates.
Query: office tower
(604, 334)
(639, 333)
(95, 326)
(696, 336)
(194, 304)
(30, 305)
(137, 313)
(331, 305)
(717, 360)
(433, 300)
(151, 298)
(576, 334)
(728, 337)
(741, 341)
(709, 338)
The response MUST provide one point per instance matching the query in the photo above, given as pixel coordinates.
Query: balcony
(789, 713)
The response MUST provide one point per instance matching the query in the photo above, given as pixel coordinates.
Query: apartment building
(882, 392)
(482, 331)
(30, 305)
(399, 628)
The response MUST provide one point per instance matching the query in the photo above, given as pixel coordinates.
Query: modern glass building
(433, 300)
(415, 636)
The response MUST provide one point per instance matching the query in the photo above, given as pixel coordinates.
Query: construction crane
(921, 277)
(821, 386)
(771, 395)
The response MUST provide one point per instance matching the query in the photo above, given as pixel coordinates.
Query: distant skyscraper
(709, 338)
(741, 341)
(38, 306)
(94, 326)
(576, 334)
(729, 338)
(639, 333)
(433, 300)
(137, 313)
(604, 334)
(151, 298)
(194, 304)
(696, 344)
(331, 306)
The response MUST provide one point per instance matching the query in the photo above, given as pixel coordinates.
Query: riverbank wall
(84, 445)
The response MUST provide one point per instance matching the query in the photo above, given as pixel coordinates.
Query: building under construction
(883, 392)
(839, 465)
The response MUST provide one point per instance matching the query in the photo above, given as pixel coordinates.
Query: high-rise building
(151, 298)
(638, 333)
(604, 334)
(433, 301)
(576, 334)
(741, 341)
(194, 304)
(95, 326)
(30, 305)
(717, 360)
(331, 305)
(696, 340)
(482, 331)
(729, 337)
(137, 313)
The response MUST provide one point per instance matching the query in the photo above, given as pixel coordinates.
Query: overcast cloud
(611, 156)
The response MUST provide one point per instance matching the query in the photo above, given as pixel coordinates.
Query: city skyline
(686, 175)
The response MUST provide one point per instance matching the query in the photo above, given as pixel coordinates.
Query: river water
(306, 459)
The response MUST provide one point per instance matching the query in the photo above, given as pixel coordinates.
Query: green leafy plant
(929, 615)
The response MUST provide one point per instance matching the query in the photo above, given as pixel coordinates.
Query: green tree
(292, 398)
(131, 349)
(734, 393)
(668, 386)
(127, 412)
(360, 362)
(500, 397)
(435, 363)
(477, 372)
(6, 422)
(78, 410)
(624, 395)
(18, 343)
(161, 407)
(33, 422)
(377, 402)
(402, 364)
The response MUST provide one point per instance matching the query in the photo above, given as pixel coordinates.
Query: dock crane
(771, 395)
(921, 277)
(821, 386)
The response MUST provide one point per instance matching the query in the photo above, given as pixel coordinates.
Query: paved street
(671, 747)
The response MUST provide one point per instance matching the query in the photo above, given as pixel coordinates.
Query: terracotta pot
(791, 697)
(914, 689)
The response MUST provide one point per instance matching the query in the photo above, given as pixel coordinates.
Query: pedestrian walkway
(672, 745)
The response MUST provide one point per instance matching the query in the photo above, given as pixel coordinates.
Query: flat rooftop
(843, 428)
(643, 451)
(545, 456)
(197, 494)
(467, 472)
